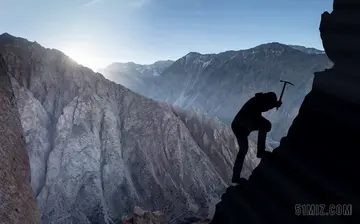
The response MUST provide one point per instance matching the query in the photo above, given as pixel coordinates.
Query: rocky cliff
(98, 149)
(17, 202)
(312, 177)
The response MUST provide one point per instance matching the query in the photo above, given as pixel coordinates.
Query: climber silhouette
(317, 162)
(249, 119)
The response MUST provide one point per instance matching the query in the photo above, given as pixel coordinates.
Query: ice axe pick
(283, 90)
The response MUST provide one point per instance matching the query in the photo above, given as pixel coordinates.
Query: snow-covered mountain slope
(220, 84)
(134, 75)
(98, 149)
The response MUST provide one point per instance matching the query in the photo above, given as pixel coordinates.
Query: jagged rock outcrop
(316, 164)
(97, 149)
(145, 217)
(141, 216)
(17, 203)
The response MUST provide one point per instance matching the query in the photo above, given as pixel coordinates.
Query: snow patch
(207, 63)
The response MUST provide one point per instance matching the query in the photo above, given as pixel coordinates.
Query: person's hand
(278, 104)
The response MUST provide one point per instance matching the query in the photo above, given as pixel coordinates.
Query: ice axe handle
(281, 95)
(283, 90)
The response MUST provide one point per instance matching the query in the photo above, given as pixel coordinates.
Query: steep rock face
(97, 149)
(220, 84)
(17, 203)
(312, 176)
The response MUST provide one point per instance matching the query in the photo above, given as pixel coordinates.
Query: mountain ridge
(296, 47)
(131, 63)
(167, 63)
(308, 50)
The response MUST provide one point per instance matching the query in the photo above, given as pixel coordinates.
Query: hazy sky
(98, 32)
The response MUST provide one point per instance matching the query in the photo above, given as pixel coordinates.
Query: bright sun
(85, 56)
(80, 57)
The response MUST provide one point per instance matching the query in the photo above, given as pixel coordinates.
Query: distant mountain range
(152, 69)
(219, 84)
(131, 74)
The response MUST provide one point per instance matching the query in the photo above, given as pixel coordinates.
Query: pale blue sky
(98, 32)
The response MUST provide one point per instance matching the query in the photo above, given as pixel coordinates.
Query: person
(317, 161)
(249, 119)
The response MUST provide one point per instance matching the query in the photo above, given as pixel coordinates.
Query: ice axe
(282, 92)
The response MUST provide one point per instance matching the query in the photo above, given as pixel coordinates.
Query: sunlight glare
(83, 54)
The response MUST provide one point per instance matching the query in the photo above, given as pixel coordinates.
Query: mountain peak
(162, 62)
(193, 53)
(272, 46)
(5, 35)
(8, 38)
(130, 63)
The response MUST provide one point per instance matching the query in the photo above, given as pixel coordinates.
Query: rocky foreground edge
(17, 202)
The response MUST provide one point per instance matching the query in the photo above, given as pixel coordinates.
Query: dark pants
(242, 139)
(242, 133)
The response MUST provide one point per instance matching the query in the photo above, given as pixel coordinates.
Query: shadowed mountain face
(98, 149)
(219, 84)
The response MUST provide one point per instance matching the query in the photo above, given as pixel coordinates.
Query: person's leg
(261, 145)
(243, 148)
(264, 128)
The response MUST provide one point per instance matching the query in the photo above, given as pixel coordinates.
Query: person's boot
(236, 179)
(260, 153)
